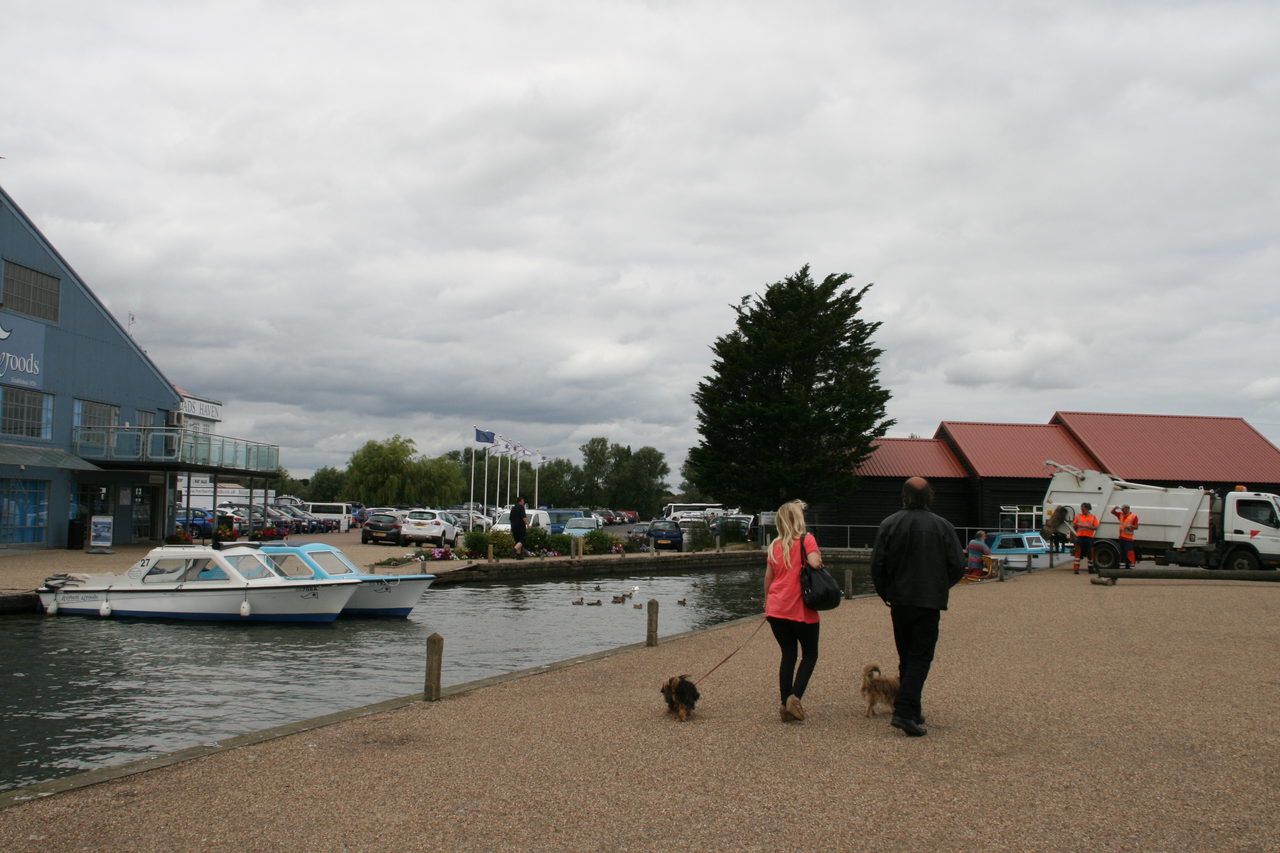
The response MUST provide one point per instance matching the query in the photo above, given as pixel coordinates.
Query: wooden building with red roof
(976, 468)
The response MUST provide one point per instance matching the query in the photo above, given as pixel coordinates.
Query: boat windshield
(334, 562)
(252, 566)
(292, 566)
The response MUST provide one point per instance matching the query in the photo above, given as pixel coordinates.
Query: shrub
(477, 542)
(561, 543)
(700, 538)
(537, 539)
(503, 544)
(598, 542)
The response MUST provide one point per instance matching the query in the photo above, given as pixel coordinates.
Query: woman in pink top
(794, 625)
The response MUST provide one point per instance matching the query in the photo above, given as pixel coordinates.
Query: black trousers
(915, 633)
(793, 680)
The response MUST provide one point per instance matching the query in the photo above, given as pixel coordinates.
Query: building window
(26, 413)
(90, 414)
(30, 292)
(24, 511)
(146, 419)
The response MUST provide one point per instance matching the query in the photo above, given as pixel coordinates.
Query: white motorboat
(236, 584)
(378, 595)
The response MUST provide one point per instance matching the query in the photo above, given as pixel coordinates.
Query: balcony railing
(173, 446)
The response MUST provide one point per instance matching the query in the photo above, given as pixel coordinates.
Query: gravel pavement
(1062, 715)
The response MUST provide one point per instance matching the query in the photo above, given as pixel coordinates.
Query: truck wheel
(1105, 555)
(1241, 560)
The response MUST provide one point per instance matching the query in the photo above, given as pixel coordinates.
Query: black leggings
(792, 681)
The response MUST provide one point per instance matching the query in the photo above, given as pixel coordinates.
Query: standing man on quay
(1128, 524)
(518, 527)
(916, 560)
(1086, 529)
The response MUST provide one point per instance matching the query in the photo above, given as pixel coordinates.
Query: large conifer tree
(794, 399)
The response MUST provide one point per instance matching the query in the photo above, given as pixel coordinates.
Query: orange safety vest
(1128, 523)
(1086, 526)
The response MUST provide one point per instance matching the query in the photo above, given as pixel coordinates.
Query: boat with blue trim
(237, 583)
(377, 595)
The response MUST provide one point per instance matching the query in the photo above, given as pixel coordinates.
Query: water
(82, 693)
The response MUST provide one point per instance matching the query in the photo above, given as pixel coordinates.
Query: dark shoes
(913, 728)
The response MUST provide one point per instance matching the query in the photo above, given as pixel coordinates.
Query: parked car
(666, 534)
(199, 523)
(631, 516)
(639, 532)
(382, 527)
(533, 518)
(430, 525)
(560, 516)
(580, 526)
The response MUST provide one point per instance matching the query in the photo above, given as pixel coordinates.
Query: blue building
(92, 434)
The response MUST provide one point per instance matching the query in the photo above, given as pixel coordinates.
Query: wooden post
(848, 583)
(651, 636)
(490, 552)
(435, 660)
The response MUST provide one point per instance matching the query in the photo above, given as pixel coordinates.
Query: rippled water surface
(81, 692)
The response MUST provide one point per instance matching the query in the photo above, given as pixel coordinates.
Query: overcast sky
(347, 220)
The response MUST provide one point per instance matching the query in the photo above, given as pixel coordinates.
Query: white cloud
(349, 220)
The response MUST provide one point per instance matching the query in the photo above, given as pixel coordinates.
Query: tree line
(391, 472)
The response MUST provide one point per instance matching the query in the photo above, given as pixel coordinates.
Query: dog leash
(734, 652)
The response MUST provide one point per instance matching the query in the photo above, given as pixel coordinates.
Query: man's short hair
(917, 493)
(1086, 505)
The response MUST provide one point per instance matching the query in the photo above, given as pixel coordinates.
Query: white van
(533, 518)
(340, 512)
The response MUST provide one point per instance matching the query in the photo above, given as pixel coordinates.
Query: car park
(382, 527)
(429, 525)
(666, 534)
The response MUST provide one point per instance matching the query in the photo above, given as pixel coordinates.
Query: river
(83, 693)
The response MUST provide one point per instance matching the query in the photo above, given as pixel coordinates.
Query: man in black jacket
(916, 561)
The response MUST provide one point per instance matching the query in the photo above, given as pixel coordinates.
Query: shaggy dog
(681, 695)
(878, 688)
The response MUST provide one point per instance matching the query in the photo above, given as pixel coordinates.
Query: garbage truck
(1237, 530)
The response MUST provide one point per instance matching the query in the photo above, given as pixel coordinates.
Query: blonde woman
(794, 625)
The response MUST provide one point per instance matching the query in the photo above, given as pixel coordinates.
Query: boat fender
(104, 609)
(245, 610)
(52, 609)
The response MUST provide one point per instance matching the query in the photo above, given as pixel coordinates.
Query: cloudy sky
(347, 220)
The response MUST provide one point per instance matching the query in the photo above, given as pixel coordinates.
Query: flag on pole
(483, 437)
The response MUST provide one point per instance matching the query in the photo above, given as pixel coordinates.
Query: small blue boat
(377, 595)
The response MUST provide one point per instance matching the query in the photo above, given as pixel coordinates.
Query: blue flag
(484, 437)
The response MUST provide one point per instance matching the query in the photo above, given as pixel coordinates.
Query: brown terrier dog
(681, 696)
(878, 688)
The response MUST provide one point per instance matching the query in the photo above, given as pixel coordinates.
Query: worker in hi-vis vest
(1128, 524)
(1086, 526)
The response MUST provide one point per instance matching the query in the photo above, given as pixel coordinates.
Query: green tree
(794, 400)
(379, 473)
(595, 468)
(635, 480)
(326, 484)
(559, 483)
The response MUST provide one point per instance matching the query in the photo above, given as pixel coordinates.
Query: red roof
(1014, 450)
(1176, 448)
(911, 457)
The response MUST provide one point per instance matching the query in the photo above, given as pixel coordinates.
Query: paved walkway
(1062, 716)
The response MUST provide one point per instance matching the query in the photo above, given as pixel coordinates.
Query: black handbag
(817, 587)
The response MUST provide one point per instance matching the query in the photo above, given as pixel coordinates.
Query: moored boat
(377, 595)
(199, 583)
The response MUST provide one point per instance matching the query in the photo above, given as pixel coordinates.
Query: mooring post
(651, 636)
(435, 659)
(848, 583)
(490, 552)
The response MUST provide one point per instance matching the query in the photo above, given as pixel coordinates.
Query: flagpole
(471, 519)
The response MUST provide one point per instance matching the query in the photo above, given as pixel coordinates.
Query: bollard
(651, 635)
(719, 548)
(435, 659)
(848, 583)
(490, 553)
(653, 549)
